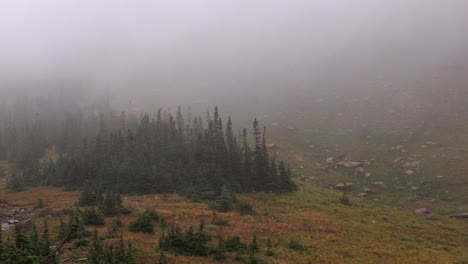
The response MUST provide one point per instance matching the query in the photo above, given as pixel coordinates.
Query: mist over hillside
(392, 53)
(260, 131)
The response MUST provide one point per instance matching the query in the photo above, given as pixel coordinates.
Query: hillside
(325, 230)
(379, 226)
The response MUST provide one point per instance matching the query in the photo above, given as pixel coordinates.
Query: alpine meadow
(264, 131)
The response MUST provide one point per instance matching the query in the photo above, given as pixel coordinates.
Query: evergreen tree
(269, 248)
(44, 243)
(34, 238)
(96, 254)
(253, 246)
(21, 240)
(285, 182)
(225, 200)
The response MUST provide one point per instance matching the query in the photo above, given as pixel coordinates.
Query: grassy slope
(447, 158)
(366, 232)
(378, 229)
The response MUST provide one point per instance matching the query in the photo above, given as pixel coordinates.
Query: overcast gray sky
(205, 46)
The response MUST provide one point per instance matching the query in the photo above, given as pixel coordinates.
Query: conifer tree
(285, 181)
(44, 243)
(21, 240)
(34, 238)
(225, 200)
(253, 246)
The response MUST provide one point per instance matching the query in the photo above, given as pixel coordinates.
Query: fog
(181, 52)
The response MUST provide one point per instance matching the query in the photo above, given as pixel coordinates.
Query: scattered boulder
(460, 216)
(411, 164)
(409, 172)
(422, 211)
(329, 160)
(367, 190)
(350, 164)
(271, 146)
(5, 226)
(362, 195)
(360, 170)
(397, 160)
(439, 177)
(12, 221)
(344, 186)
(305, 178)
(368, 174)
(382, 184)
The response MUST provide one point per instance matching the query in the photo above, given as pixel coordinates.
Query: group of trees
(111, 254)
(195, 242)
(32, 248)
(159, 154)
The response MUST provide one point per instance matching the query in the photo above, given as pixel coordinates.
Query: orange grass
(331, 233)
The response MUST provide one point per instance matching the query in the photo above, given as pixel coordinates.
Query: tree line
(161, 153)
